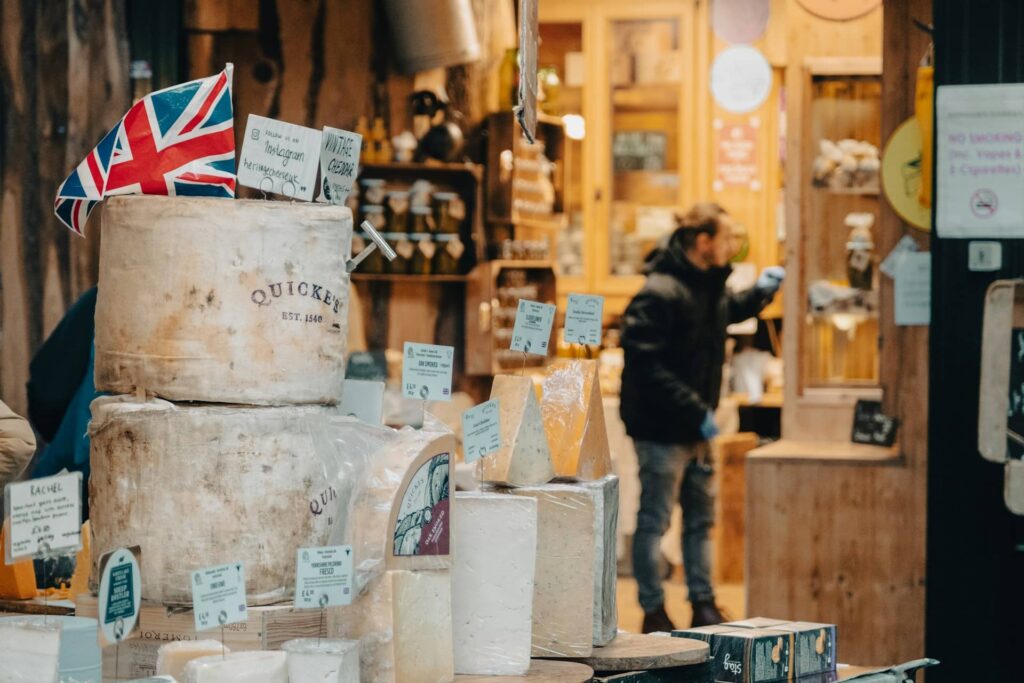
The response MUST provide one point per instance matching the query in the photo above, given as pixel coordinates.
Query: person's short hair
(702, 218)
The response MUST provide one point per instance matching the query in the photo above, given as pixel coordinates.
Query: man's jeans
(670, 472)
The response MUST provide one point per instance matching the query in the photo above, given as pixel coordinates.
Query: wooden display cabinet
(492, 296)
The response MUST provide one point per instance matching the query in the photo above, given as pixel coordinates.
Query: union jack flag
(176, 141)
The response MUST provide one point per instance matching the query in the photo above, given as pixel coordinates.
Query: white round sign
(120, 594)
(741, 79)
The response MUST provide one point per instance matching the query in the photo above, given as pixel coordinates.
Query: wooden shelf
(393, 277)
(647, 97)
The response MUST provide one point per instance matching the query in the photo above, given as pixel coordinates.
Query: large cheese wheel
(226, 301)
(197, 486)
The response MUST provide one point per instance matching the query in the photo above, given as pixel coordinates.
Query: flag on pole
(176, 141)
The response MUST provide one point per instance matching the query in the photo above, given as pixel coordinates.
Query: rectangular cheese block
(239, 667)
(29, 651)
(492, 583)
(563, 589)
(404, 622)
(322, 660)
(605, 495)
(172, 658)
(154, 679)
(524, 458)
(573, 414)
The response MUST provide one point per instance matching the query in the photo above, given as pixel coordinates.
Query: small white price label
(532, 330)
(120, 594)
(323, 577)
(279, 157)
(583, 319)
(218, 596)
(45, 516)
(339, 163)
(427, 372)
(363, 399)
(481, 430)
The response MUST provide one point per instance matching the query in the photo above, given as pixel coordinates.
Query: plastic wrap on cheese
(573, 414)
(239, 667)
(320, 660)
(29, 651)
(249, 484)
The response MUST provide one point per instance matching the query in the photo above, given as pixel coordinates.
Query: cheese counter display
(172, 658)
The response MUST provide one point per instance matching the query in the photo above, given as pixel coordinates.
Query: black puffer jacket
(673, 335)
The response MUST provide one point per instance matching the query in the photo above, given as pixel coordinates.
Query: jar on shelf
(449, 212)
(396, 210)
(449, 250)
(421, 220)
(404, 252)
(374, 263)
(860, 251)
(372, 190)
(423, 257)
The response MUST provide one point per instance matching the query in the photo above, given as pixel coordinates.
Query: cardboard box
(756, 622)
(746, 655)
(814, 647)
(702, 633)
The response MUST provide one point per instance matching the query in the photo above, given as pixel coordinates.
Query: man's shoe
(706, 613)
(658, 621)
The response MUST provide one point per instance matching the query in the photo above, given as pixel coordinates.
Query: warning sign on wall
(736, 154)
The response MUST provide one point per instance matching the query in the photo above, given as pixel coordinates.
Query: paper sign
(363, 399)
(913, 293)
(736, 154)
(279, 157)
(481, 431)
(45, 516)
(427, 372)
(120, 594)
(218, 596)
(339, 164)
(583, 317)
(323, 577)
(532, 330)
(980, 161)
(904, 246)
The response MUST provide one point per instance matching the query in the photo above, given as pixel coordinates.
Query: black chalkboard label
(872, 426)
(1015, 407)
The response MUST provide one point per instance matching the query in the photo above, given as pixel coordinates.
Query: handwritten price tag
(279, 157)
(583, 319)
(339, 163)
(427, 372)
(45, 516)
(323, 577)
(532, 330)
(481, 430)
(218, 596)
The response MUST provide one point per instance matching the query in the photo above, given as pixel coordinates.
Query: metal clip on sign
(378, 242)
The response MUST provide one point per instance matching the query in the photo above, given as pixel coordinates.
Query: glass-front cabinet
(622, 68)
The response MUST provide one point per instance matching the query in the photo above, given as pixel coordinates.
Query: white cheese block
(228, 301)
(492, 583)
(524, 458)
(239, 667)
(563, 591)
(322, 660)
(154, 679)
(172, 658)
(249, 484)
(29, 651)
(574, 420)
(605, 495)
(403, 620)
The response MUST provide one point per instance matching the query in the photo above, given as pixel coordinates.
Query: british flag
(176, 141)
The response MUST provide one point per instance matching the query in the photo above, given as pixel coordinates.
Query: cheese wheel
(198, 485)
(224, 301)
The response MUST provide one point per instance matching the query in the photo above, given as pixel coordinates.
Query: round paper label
(741, 79)
(120, 595)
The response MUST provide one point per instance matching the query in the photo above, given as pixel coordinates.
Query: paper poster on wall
(741, 79)
(736, 144)
(979, 164)
(913, 292)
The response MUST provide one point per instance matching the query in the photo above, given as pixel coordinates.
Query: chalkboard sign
(1015, 407)
(871, 426)
(639, 150)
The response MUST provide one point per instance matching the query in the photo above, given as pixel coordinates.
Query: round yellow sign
(840, 10)
(901, 175)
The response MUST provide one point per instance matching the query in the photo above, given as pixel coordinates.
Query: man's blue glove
(770, 279)
(709, 430)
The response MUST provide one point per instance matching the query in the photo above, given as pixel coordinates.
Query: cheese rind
(605, 495)
(573, 414)
(30, 651)
(563, 591)
(239, 667)
(492, 583)
(172, 658)
(524, 458)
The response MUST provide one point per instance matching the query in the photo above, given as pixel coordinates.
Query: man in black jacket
(673, 335)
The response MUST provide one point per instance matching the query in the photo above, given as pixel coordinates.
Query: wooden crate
(729, 532)
(266, 629)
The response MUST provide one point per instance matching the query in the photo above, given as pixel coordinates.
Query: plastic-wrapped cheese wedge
(492, 583)
(239, 667)
(227, 301)
(29, 651)
(563, 590)
(524, 458)
(322, 660)
(605, 495)
(172, 658)
(574, 420)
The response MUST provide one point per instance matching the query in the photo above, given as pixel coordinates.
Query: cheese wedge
(239, 667)
(574, 420)
(172, 658)
(604, 493)
(524, 458)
